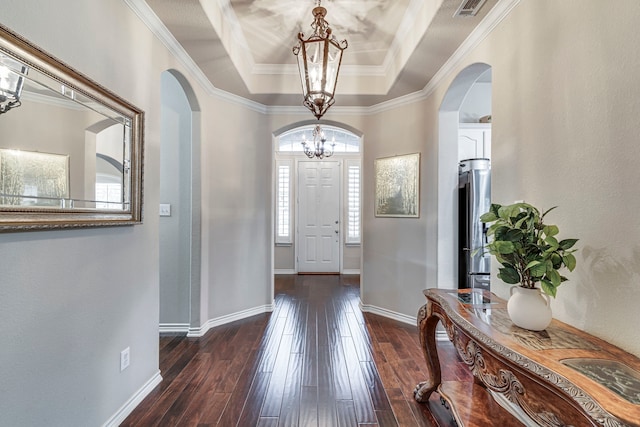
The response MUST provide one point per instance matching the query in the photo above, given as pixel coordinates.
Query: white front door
(318, 231)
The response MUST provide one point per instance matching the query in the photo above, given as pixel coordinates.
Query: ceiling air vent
(469, 8)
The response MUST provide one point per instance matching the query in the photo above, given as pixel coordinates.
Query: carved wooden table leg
(427, 323)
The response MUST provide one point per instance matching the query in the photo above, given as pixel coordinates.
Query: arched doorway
(179, 229)
(449, 124)
(289, 160)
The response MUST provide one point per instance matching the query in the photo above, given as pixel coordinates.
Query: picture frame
(397, 186)
(33, 178)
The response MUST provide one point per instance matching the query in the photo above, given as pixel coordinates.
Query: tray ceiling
(244, 47)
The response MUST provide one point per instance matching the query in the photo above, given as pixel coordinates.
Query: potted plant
(530, 253)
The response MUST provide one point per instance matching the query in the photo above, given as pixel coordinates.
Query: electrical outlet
(165, 209)
(124, 359)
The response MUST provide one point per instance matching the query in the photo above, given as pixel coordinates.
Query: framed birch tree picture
(397, 186)
(29, 178)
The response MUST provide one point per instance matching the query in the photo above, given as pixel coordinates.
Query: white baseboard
(222, 320)
(292, 271)
(441, 335)
(133, 401)
(174, 328)
(388, 313)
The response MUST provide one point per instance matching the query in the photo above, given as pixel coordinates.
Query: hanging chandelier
(319, 59)
(318, 149)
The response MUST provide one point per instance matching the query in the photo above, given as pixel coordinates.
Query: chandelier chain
(319, 58)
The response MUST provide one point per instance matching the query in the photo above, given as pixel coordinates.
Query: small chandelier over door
(319, 59)
(318, 149)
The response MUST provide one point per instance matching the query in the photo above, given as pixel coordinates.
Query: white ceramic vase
(529, 308)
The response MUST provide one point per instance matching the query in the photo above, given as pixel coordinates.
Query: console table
(557, 377)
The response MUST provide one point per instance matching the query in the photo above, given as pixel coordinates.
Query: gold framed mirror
(71, 151)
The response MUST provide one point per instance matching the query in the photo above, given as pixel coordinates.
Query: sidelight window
(353, 202)
(347, 151)
(283, 212)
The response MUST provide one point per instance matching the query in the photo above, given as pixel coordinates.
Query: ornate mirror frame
(78, 88)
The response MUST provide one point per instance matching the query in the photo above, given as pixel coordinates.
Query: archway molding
(190, 147)
(448, 123)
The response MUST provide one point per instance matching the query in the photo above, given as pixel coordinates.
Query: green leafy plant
(528, 250)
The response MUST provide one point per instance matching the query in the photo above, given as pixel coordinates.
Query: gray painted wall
(564, 132)
(54, 136)
(175, 190)
(399, 253)
(71, 300)
(565, 107)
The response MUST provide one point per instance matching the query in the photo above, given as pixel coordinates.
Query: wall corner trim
(228, 318)
(174, 328)
(388, 313)
(441, 335)
(133, 401)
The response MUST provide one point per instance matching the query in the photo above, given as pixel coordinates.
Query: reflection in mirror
(70, 151)
(11, 82)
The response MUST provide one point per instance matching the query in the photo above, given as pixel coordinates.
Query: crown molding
(345, 70)
(151, 20)
(300, 110)
(287, 109)
(397, 102)
(500, 11)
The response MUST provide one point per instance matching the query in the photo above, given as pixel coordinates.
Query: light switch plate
(125, 357)
(165, 209)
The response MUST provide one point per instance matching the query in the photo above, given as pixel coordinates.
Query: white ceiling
(244, 47)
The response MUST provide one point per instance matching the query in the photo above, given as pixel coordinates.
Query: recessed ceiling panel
(244, 47)
(271, 27)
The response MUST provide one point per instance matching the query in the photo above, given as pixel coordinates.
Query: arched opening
(103, 180)
(456, 113)
(179, 228)
(291, 164)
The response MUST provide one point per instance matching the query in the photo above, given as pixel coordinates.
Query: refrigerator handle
(484, 233)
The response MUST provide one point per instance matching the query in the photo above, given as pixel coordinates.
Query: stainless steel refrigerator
(474, 199)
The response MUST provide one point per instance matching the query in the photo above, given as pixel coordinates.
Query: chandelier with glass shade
(318, 148)
(319, 59)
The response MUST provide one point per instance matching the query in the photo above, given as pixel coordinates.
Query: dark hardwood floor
(317, 360)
